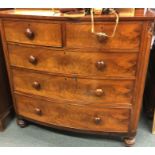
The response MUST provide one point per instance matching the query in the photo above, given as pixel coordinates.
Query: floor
(38, 136)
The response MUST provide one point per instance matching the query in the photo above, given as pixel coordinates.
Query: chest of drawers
(62, 76)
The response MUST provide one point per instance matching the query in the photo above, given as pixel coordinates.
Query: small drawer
(96, 64)
(128, 35)
(74, 116)
(73, 88)
(37, 33)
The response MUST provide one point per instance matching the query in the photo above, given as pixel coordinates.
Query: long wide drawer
(48, 34)
(97, 64)
(74, 116)
(73, 88)
(128, 35)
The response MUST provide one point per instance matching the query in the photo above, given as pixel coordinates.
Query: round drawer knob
(97, 120)
(29, 34)
(36, 85)
(101, 37)
(99, 92)
(100, 65)
(37, 111)
(33, 60)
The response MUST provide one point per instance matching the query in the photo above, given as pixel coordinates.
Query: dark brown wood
(36, 85)
(21, 122)
(149, 94)
(99, 92)
(97, 120)
(33, 60)
(29, 34)
(101, 38)
(6, 111)
(153, 126)
(129, 141)
(100, 65)
(38, 111)
(84, 84)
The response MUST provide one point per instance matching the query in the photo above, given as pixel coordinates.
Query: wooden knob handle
(36, 85)
(100, 65)
(101, 38)
(99, 92)
(37, 111)
(33, 60)
(97, 120)
(29, 33)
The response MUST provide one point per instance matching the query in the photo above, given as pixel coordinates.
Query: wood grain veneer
(73, 116)
(73, 88)
(61, 75)
(127, 36)
(48, 34)
(88, 63)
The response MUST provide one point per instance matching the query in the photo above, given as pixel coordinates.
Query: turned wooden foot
(129, 141)
(22, 123)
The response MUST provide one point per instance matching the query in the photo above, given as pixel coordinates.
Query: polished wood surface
(48, 15)
(74, 116)
(69, 78)
(78, 35)
(48, 34)
(73, 88)
(85, 63)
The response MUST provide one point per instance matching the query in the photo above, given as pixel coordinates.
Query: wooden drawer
(48, 34)
(73, 88)
(97, 64)
(127, 35)
(74, 116)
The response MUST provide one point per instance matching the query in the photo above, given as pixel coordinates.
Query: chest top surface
(48, 14)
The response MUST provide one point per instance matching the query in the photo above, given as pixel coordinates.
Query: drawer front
(48, 34)
(73, 116)
(72, 88)
(97, 64)
(127, 35)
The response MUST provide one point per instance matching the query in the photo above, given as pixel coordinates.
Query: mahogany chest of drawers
(62, 76)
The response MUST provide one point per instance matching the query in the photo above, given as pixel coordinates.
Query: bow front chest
(63, 76)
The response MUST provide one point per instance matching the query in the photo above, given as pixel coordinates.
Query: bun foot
(22, 123)
(129, 141)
